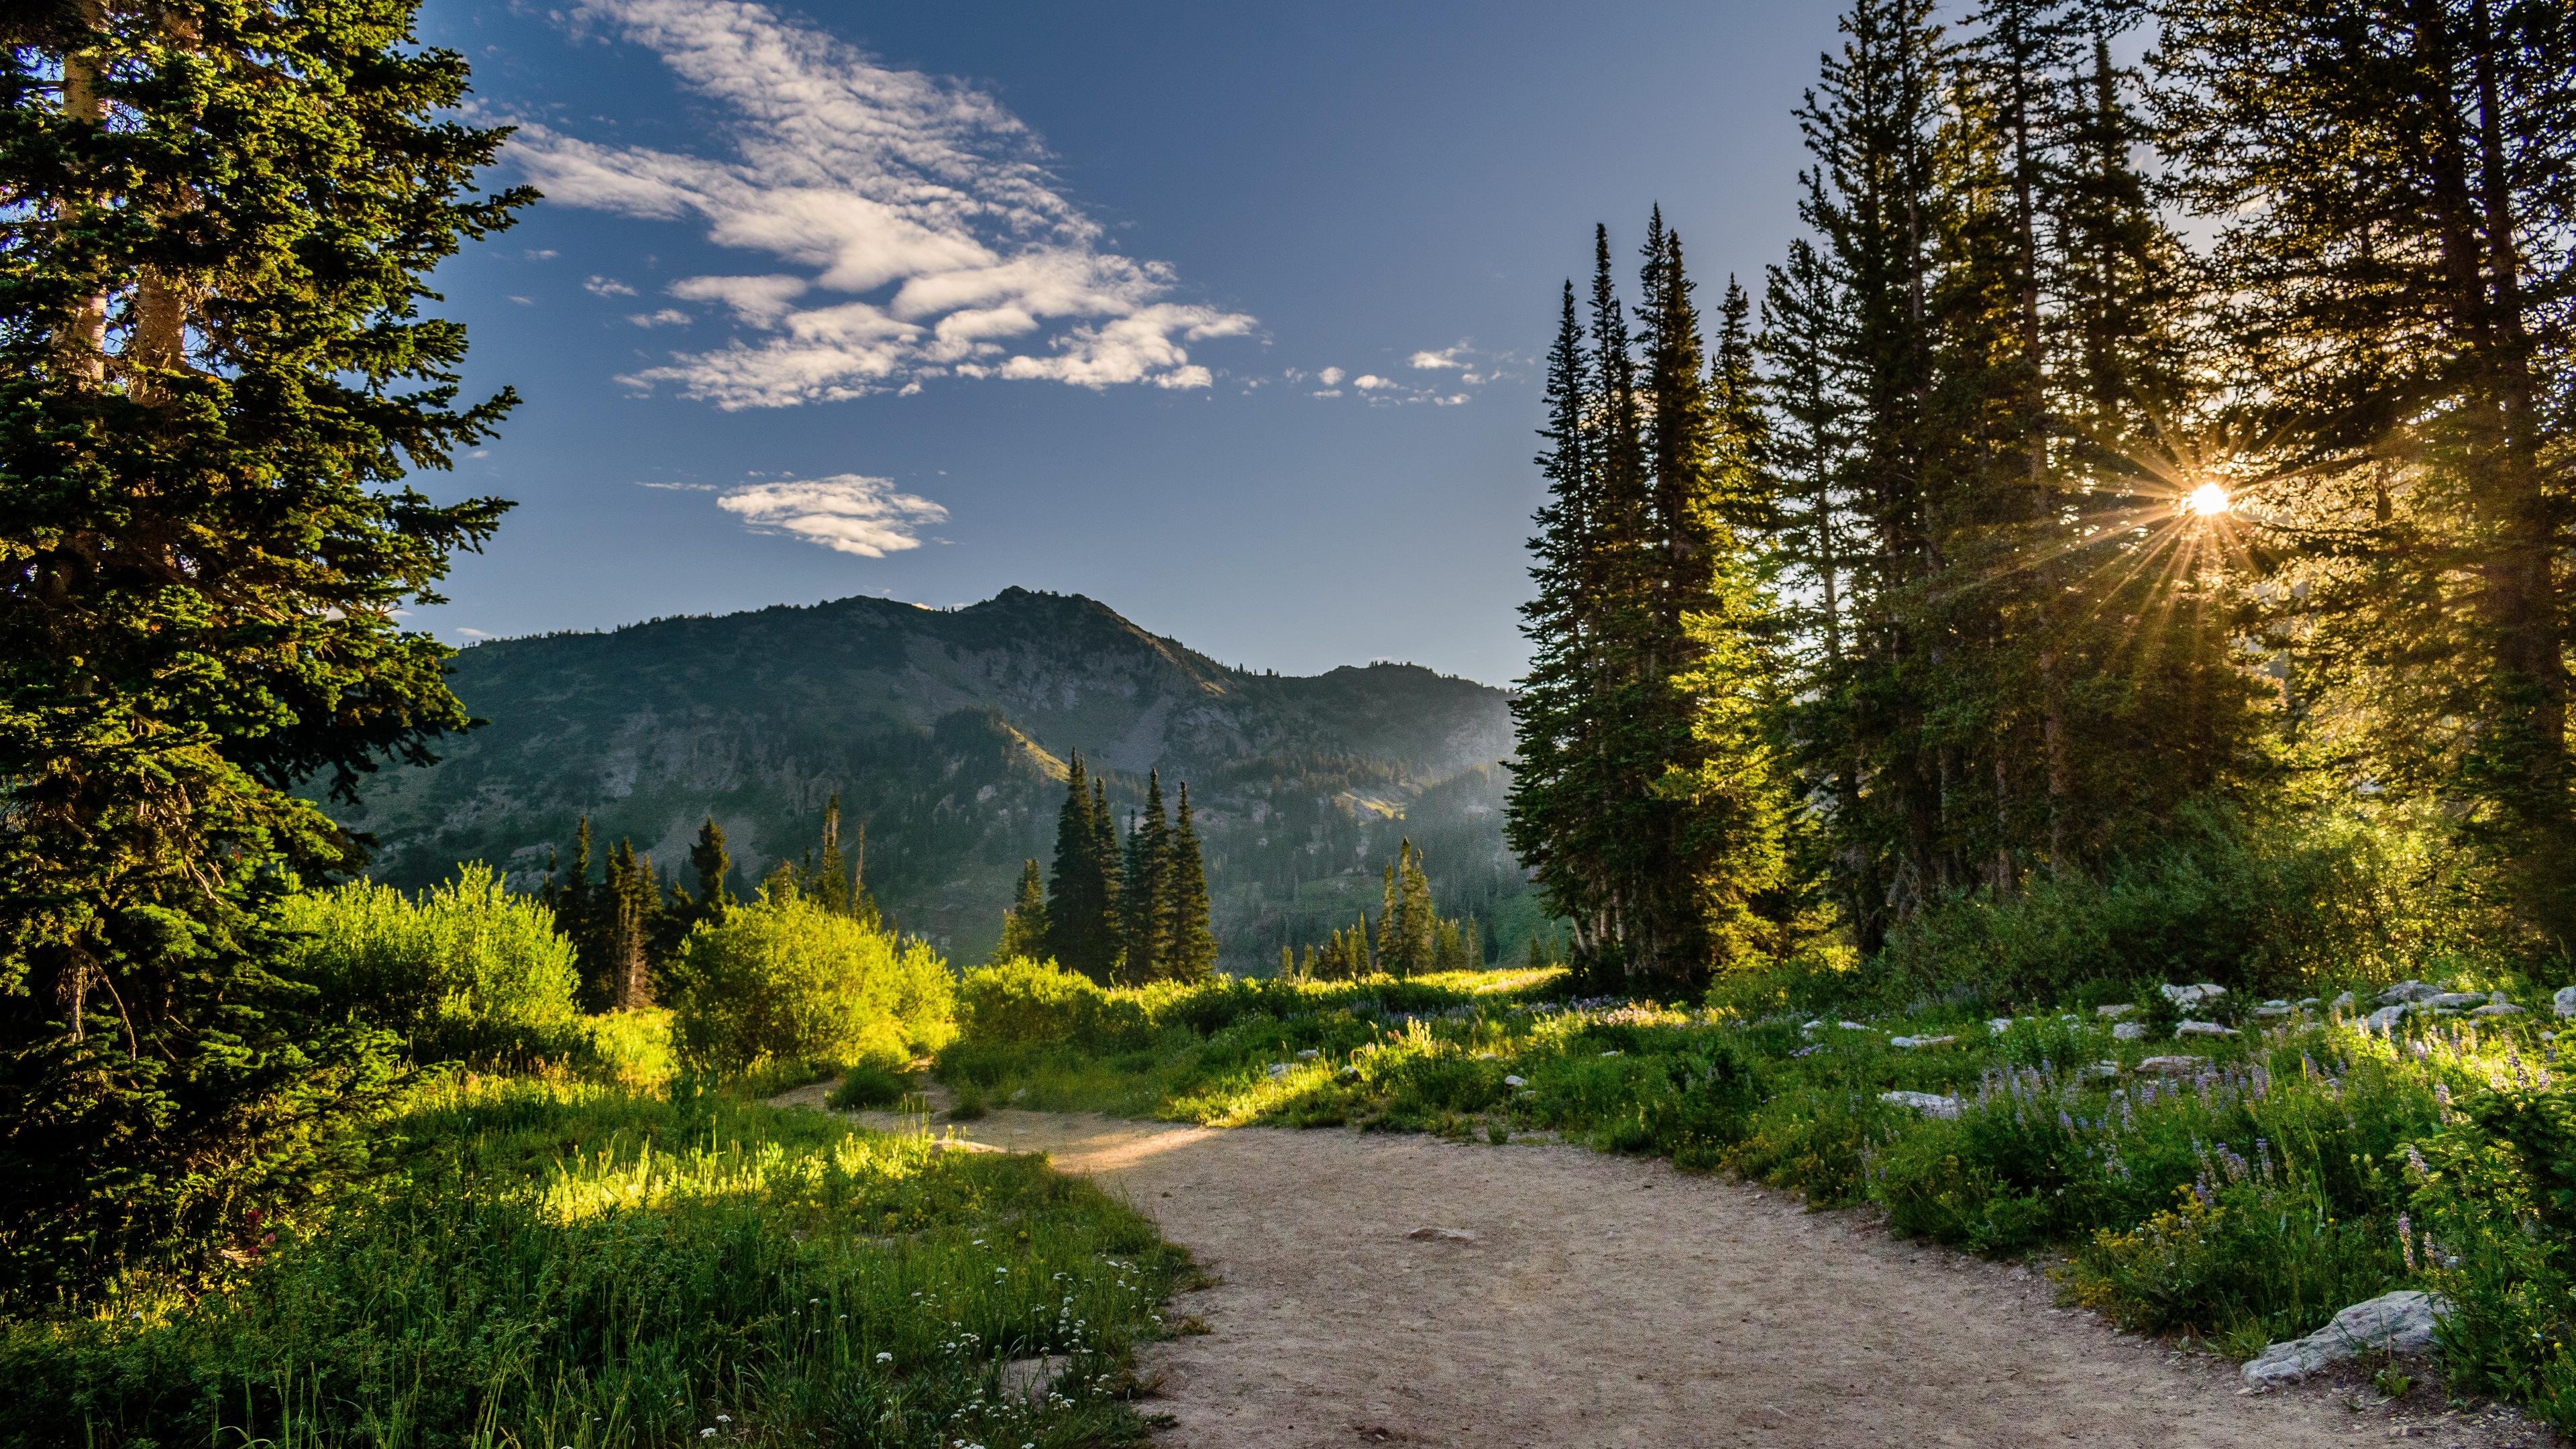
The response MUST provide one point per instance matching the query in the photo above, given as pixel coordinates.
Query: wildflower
(706, 1433)
(2406, 1240)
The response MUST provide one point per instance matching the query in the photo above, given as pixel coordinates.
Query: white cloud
(1446, 357)
(845, 512)
(921, 201)
(475, 634)
(1370, 382)
(1330, 377)
(677, 487)
(607, 287)
(666, 317)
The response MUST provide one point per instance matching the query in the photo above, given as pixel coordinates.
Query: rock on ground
(2400, 1322)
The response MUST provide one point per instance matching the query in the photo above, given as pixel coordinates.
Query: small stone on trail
(2129, 1031)
(1927, 1103)
(1442, 1235)
(2398, 1322)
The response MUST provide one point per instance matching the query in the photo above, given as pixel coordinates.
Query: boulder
(2400, 1322)
(2564, 1003)
(1278, 1070)
(2498, 1008)
(2409, 991)
(1920, 1041)
(1927, 1103)
(2457, 1000)
(2387, 1016)
(1854, 1026)
(2203, 1028)
(2344, 1002)
(1999, 1025)
(2273, 1010)
(2173, 1066)
(2116, 1009)
(2129, 1031)
(2189, 996)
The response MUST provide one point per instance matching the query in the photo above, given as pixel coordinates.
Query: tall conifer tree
(1190, 938)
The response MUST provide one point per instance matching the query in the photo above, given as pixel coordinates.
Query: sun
(2207, 501)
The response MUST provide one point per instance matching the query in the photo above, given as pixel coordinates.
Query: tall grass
(585, 1266)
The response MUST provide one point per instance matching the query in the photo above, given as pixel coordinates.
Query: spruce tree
(1081, 929)
(1024, 925)
(624, 928)
(827, 877)
(1146, 889)
(708, 858)
(2391, 183)
(1189, 939)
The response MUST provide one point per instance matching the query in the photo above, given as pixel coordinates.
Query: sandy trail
(1613, 1301)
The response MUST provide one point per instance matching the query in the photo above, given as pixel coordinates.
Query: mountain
(945, 733)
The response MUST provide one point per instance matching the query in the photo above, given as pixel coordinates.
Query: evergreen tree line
(2015, 523)
(1120, 907)
(626, 927)
(1412, 936)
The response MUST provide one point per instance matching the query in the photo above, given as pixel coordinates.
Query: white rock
(2101, 1069)
(1613, 1053)
(2457, 1000)
(1279, 1069)
(1308, 1055)
(1854, 1026)
(2500, 1008)
(1920, 1041)
(2203, 1028)
(1928, 1103)
(2269, 1012)
(2173, 1066)
(2309, 1003)
(2409, 991)
(2564, 1003)
(2121, 1008)
(1999, 1025)
(1514, 1082)
(2129, 1031)
(2399, 1322)
(2277, 1002)
(2344, 1002)
(2387, 1016)
(2192, 995)
(1350, 1071)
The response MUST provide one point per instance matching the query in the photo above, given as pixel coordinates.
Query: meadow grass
(556, 1264)
(2240, 1197)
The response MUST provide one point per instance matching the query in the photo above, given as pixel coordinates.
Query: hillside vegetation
(946, 734)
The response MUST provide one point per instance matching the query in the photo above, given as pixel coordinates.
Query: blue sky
(1227, 316)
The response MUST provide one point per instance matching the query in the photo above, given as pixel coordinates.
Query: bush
(465, 972)
(2498, 1219)
(2246, 903)
(787, 980)
(868, 1086)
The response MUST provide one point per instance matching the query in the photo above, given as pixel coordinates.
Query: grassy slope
(586, 1266)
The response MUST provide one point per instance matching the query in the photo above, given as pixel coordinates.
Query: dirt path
(1611, 1301)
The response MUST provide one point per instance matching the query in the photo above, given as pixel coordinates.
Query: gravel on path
(1376, 1289)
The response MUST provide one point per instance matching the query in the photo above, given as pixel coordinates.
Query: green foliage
(466, 971)
(868, 1086)
(785, 979)
(552, 1265)
(2497, 1211)
(215, 375)
(2266, 902)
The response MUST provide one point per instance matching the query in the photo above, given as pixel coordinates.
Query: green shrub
(2270, 904)
(466, 971)
(2497, 1218)
(868, 1086)
(787, 980)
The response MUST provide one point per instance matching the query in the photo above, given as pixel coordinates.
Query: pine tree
(2392, 180)
(712, 865)
(1024, 925)
(1146, 889)
(827, 876)
(1189, 939)
(1081, 925)
(623, 929)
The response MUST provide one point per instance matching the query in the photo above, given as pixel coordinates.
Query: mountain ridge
(944, 731)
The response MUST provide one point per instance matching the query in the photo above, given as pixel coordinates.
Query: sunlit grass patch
(572, 1265)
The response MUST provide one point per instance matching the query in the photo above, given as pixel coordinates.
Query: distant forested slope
(945, 733)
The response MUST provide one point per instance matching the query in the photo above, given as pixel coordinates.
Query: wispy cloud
(676, 487)
(665, 317)
(607, 287)
(846, 513)
(922, 203)
(1445, 358)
